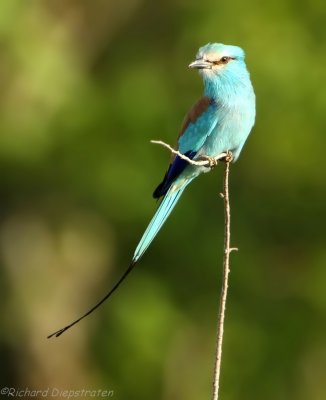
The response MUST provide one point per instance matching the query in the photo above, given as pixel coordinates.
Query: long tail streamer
(162, 213)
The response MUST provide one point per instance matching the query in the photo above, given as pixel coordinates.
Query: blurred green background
(84, 87)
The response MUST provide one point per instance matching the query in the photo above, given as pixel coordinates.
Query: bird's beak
(200, 64)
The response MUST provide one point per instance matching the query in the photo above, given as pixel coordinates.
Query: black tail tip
(58, 333)
(115, 287)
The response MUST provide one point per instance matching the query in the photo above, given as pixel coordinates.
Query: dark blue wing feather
(173, 172)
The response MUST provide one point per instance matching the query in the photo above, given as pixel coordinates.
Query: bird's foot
(212, 162)
(229, 157)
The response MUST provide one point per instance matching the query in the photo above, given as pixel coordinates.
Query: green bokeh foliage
(84, 87)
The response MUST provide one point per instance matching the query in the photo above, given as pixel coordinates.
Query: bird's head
(216, 59)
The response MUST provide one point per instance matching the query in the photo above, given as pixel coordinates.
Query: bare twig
(204, 161)
(224, 290)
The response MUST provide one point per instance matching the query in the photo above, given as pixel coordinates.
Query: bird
(220, 121)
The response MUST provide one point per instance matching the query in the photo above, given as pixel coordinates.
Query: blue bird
(220, 121)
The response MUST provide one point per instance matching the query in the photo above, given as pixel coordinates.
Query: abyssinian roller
(220, 121)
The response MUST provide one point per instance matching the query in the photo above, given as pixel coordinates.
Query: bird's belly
(229, 135)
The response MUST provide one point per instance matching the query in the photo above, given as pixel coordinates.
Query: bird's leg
(212, 162)
(229, 156)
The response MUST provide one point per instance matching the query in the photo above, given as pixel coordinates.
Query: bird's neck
(227, 88)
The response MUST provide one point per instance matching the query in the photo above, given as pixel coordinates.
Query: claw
(229, 156)
(212, 162)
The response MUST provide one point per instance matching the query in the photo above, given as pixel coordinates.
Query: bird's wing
(197, 126)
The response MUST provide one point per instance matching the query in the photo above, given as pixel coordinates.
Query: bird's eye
(225, 59)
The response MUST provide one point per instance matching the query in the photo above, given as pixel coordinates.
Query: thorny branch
(201, 162)
(225, 280)
(210, 162)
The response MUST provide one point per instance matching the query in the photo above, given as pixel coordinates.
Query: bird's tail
(162, 213)
(164, 210)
